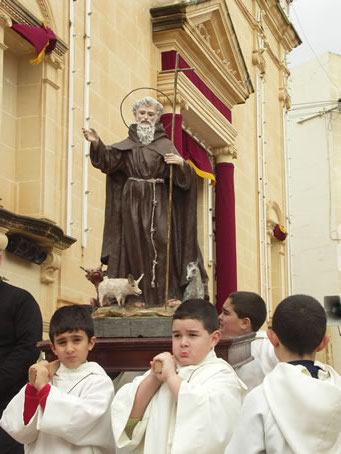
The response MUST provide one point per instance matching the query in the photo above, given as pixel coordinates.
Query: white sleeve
(80, 420)
(12, 420)
(120, 412)
(249, 437)
(207, 413)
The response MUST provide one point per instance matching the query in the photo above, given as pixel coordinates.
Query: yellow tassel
(39, 57)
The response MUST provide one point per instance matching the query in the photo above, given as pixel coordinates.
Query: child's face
(72, 347)
(191, 342)
(230, 324)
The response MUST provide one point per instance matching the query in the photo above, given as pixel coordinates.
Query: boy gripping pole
(65, 407)
(190, 403)
(297, 409)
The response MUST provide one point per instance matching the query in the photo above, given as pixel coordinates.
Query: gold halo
(133, 91)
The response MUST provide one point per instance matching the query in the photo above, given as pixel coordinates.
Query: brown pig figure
(118, 288)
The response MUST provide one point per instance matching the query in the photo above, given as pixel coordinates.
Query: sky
(318, 25)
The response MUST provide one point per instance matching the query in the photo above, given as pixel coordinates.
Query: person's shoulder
(17, 291)
(98, 373)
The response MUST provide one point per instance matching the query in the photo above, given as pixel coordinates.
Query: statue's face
(146, 115)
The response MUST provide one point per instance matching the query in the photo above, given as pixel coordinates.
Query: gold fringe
(202, 173)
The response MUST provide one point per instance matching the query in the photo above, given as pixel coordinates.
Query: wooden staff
(170, 195)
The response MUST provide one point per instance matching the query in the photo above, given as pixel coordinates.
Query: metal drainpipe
(69, 220)
(210, 222)
(86, 118)
(287, 198)
(260, 190)
(264, 198)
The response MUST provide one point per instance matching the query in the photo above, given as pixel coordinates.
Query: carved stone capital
(50, 266)
(225, 153)
(167, 102)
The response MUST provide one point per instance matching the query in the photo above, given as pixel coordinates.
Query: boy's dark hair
(250, 305)
(300, 323)
(198, 309)
(71, 318)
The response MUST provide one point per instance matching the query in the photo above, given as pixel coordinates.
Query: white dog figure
(118, 288)
(195, 288)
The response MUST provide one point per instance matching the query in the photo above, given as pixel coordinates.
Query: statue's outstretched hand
(91, 136)
(175, 159)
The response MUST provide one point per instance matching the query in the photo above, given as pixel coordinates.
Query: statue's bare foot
(173, 302)
(139, 304)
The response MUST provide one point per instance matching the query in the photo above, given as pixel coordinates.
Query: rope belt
(154, 181)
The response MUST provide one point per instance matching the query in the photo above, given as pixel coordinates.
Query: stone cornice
(45, 232)
(279, 24)
(17, 12)
(201, 112)
(181, 27)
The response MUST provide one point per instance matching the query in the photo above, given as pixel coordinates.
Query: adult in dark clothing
(20, 330)
(135, 230)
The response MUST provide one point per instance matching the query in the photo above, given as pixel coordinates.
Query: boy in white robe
(297, 409)
(65, 407)
(244, 313)
(187, 402)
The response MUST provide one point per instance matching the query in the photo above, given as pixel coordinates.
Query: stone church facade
(231, 101)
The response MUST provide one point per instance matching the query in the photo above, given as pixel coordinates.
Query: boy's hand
(42, 378)
(48, 368)
(32, 371)
(166, 369)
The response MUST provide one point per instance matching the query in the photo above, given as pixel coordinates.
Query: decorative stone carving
(228, 151)
(259, 60)
(284, 98)
(5, 20)
(50, 265)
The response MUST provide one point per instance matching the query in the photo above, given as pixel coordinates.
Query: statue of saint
(137, 185)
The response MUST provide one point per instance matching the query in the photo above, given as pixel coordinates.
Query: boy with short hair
(244, 313)
(191, 402)
(297, 409)
(65, 407)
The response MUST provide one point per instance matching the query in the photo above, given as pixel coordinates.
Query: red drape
(225, 235)
(168, 62)
(189, 149)
(39, 37)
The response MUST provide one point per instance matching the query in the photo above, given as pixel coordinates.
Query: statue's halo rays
(140, 89)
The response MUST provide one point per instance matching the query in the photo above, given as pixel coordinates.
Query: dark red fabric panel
(37, 36)
(225, 233)
(195, 153)
(168, 62)
(186, 145)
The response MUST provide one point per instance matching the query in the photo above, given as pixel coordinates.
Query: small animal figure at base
(195, 288)
(95, 276)
(118, 288)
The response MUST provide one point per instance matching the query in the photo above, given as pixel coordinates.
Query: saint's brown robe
(136, 204)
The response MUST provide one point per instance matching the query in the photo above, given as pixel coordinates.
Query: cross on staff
(176, 71)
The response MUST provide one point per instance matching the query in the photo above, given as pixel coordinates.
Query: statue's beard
(145, 133)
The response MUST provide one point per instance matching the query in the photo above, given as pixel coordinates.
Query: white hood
(306, 410)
